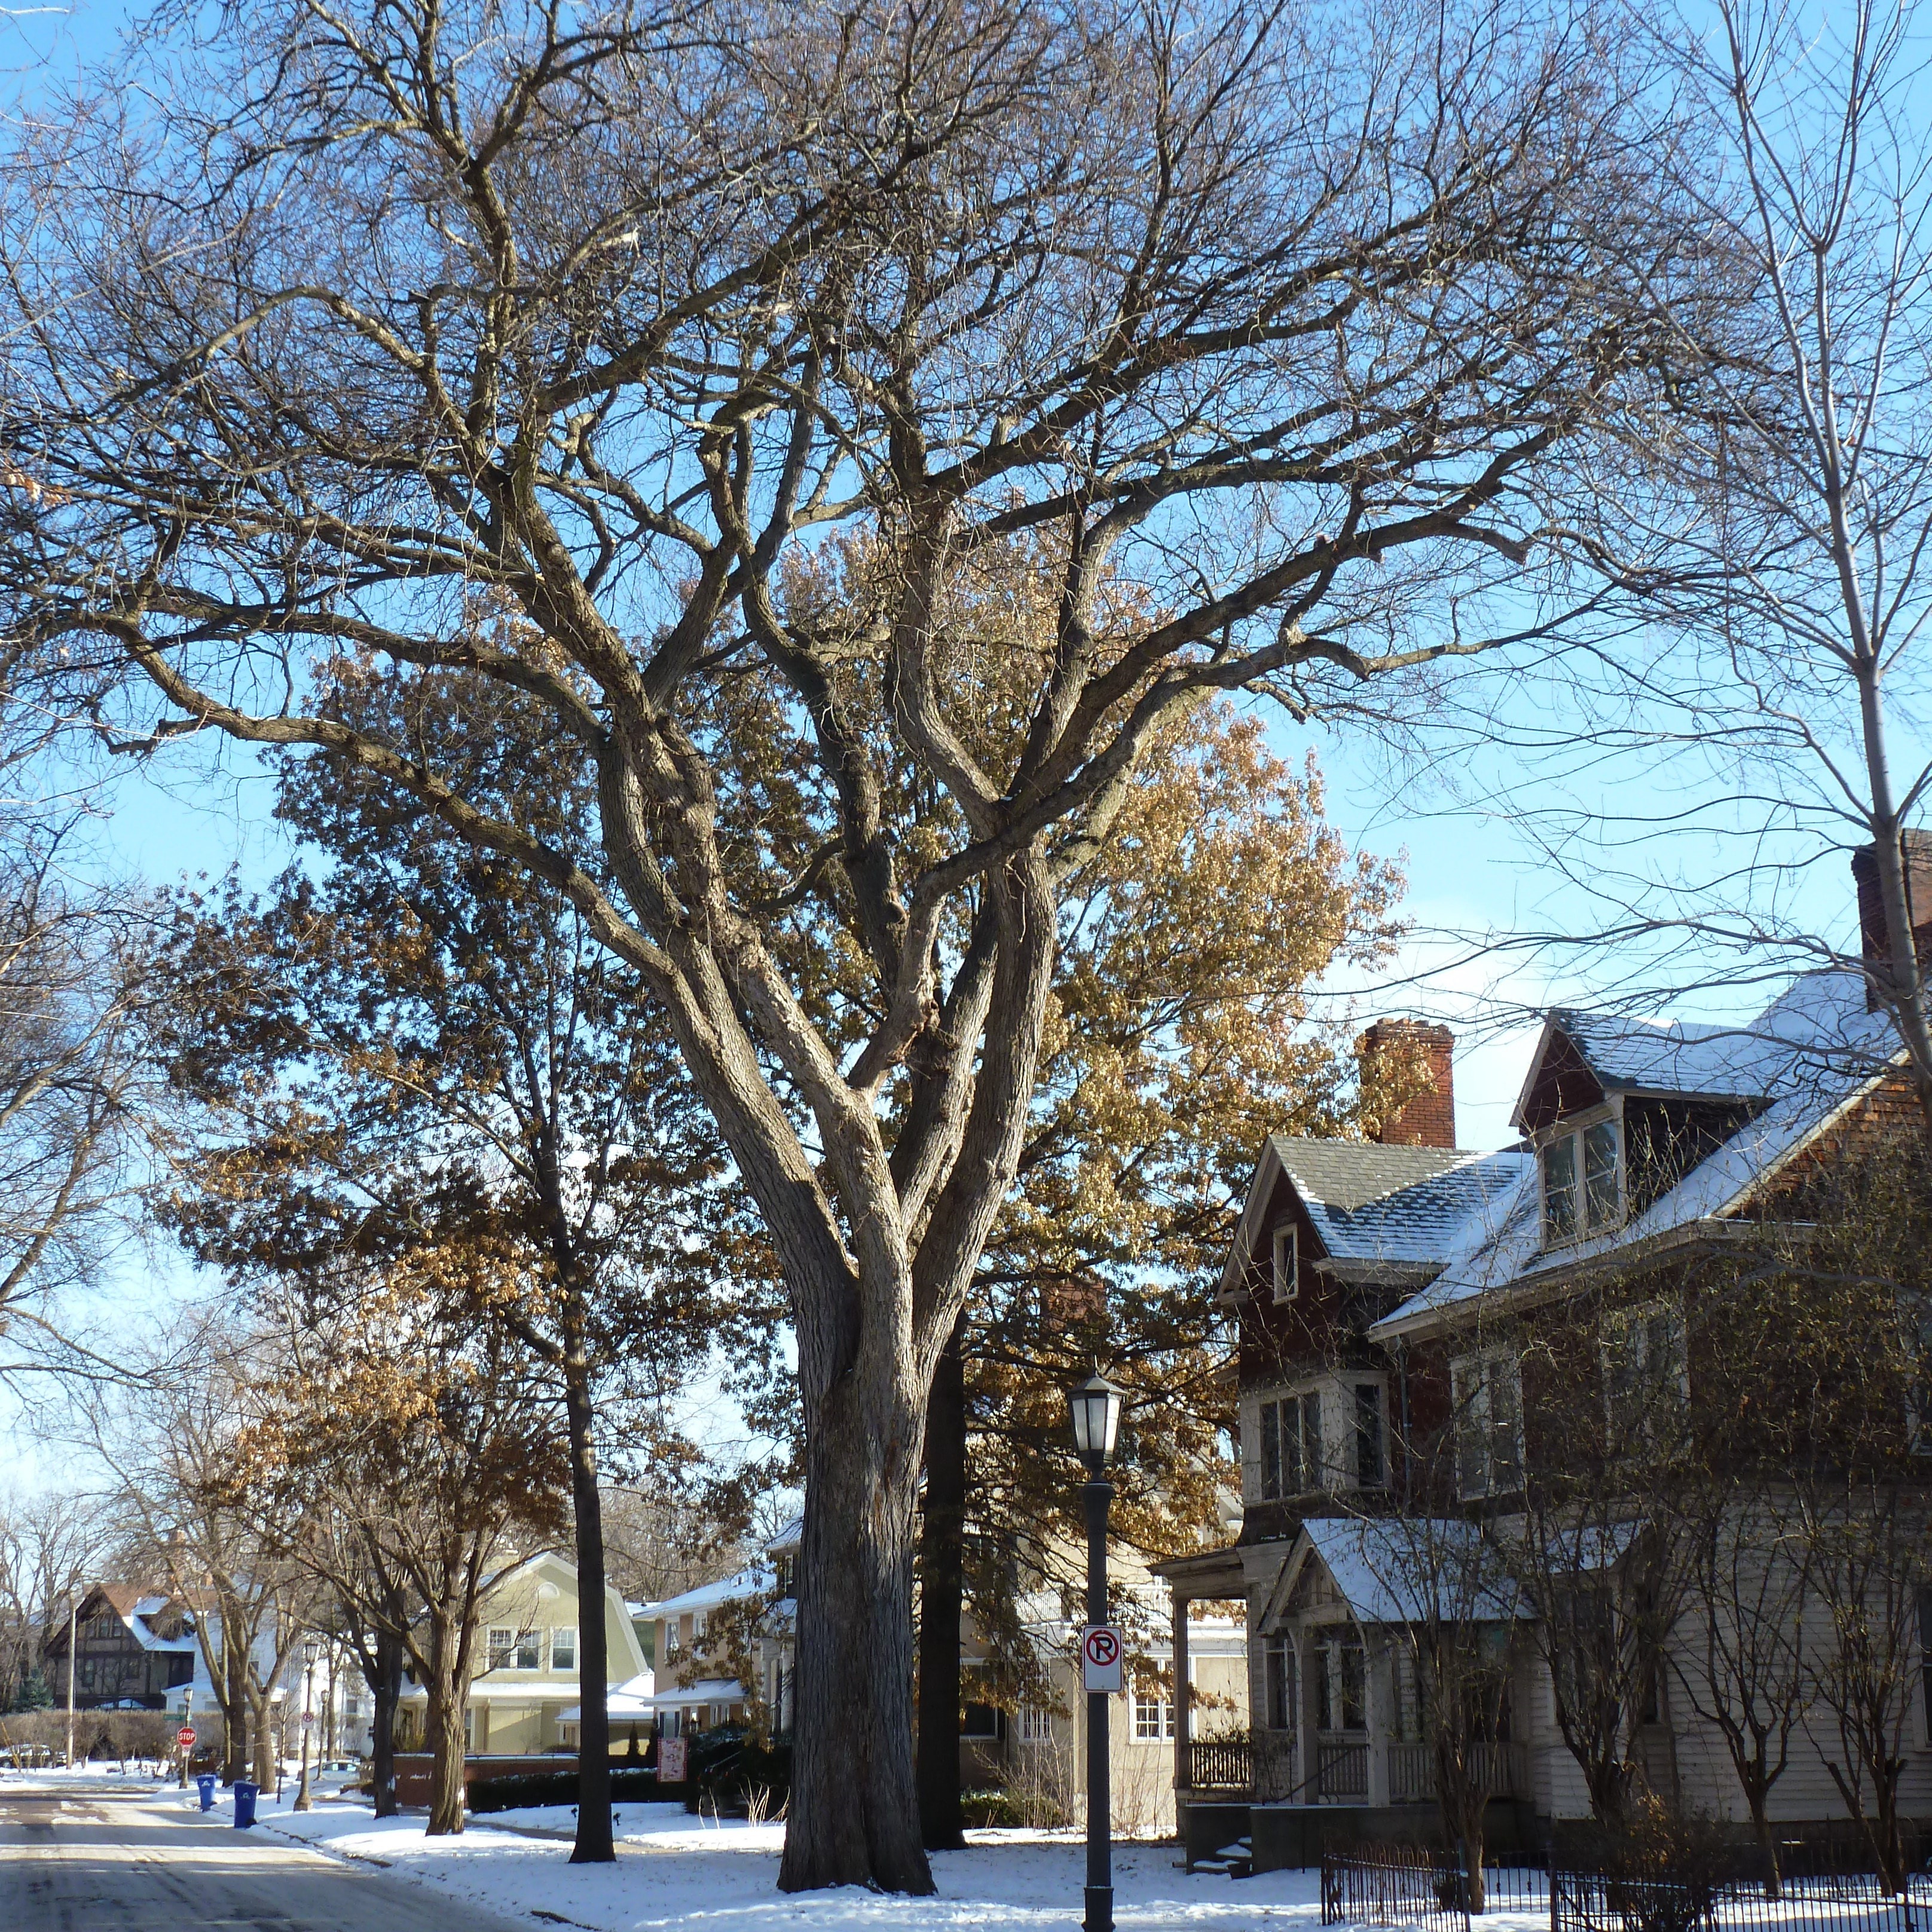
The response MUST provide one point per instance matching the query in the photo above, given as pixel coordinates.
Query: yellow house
(526, 1678)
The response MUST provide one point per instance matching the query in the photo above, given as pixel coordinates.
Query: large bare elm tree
(675, 366)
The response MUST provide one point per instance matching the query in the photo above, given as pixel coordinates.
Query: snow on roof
(1393, 1203)
(752, 1583)
(711, 1690)
(1388, 1570)
(1813, 1050)
(633, 1698)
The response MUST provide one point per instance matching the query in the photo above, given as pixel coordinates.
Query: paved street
(72, 1860)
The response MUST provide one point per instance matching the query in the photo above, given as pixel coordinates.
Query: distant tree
(402, 1456)
(401, 1006)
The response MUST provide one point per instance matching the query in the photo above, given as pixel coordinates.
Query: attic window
(1583, 1181)
(1287, 1263)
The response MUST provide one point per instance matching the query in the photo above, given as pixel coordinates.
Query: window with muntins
(1487, 1392)
(1291, 1446)
(1342, 1687)
(1582, 1182)
(1154, 1716)
(528, 1652)
(563, 1650)
(502, 1642)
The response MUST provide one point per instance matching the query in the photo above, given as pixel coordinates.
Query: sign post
(184, 1742)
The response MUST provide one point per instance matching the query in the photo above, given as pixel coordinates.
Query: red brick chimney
(1915, 848)
(1428, 1120)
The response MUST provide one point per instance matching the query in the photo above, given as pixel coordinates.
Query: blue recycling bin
(204, 1783)
(245, 1794)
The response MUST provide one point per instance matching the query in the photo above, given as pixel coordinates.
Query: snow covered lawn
(673, 1870)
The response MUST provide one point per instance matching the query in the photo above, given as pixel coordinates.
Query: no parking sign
(1100, 1649)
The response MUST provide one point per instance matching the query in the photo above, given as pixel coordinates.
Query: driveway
(74, 1860)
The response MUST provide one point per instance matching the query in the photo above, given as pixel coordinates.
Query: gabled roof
(1370, 1203)
(135, 1608)
(754, 1581)
(1390, 1571)
(1811, 1053)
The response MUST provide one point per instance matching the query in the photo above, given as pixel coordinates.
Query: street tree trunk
(443, 1715)
(942, 1587)
(851, 1823)
(262, 1714)
(593, 1845)
(236, 1710)
(385, 1691)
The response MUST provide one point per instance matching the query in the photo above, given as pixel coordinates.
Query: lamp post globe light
(311, 1650)
(1095, 1409)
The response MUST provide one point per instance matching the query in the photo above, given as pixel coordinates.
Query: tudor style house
(1426, 1334)
(133, 1650)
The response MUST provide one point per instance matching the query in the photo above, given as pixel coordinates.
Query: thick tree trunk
(1767, 1841)
(235, 1709)
(594, 1845)
(443, 1714)
(854, 1820)
(385, 1691)
(262, 1713)
(942, 1586)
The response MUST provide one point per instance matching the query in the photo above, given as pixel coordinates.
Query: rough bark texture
(942, 1586)
(385, 1691)
(593, 1845)
(443, 1722)
(852, 1761)
(235, 1709)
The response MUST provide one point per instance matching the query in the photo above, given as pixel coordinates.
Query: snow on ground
(674, 1870)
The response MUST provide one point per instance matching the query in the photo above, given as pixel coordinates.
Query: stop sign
(184, 1737)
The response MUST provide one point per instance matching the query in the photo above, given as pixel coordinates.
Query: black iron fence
(1426, 1886)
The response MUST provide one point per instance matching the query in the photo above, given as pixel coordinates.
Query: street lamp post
(303, 1801)
(1095, 1407)
(73, 1634)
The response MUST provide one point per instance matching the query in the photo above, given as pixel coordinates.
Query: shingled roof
(1811, 1052)
(1370, 1203)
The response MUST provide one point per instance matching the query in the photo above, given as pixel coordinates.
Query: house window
(1290, 1447)
(1646, 1376)
(502, 1643)
(1582, 1182)
(1035, 1725)
(697, 1627)
(1154, 1717)
(1278, 1685)
(529, 1655)
(981, 1721)
(1369, 1460)
(669, 1628)
(563, 1650)
(1342, 1687)
(1487, 1392)
(1287, 1263)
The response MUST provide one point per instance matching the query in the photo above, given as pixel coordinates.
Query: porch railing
(1502, 1768)
(1341, 1772)
(1220, 1764)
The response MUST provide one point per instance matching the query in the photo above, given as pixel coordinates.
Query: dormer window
(1583, 1181)
(1287, 1263)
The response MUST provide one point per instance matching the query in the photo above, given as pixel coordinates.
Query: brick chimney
(1874, 943)
(1428, 1120)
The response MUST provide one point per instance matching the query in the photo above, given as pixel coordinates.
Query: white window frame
(530, 1643)
(569, 1631)
(1035, 1725)
(502, 1643)
(1287, 1263)
(1575, 1130)
(1472, 1384)
(1154, 1716)
(699, 1624)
